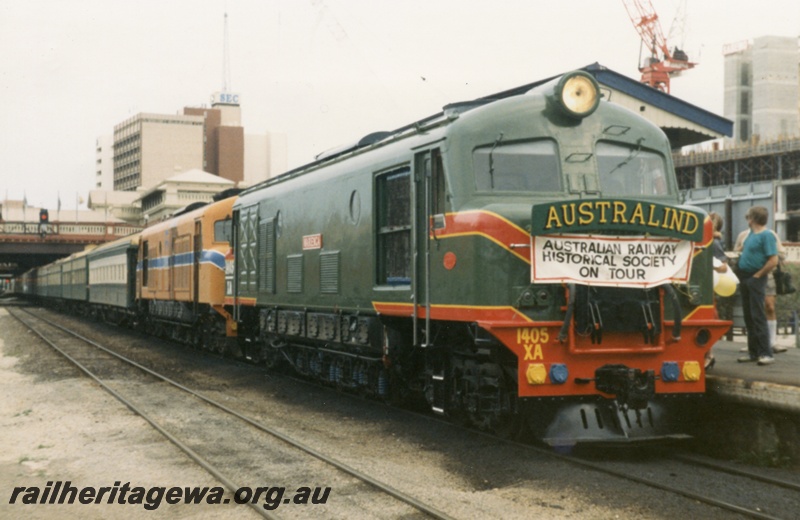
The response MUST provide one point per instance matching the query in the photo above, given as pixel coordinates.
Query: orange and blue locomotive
(180, 277)
(515, 262)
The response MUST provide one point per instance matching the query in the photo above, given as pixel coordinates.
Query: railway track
(93, 359)
(640, 472)
(757, 495)
(754, 484)
(751, 492)
(637, 472)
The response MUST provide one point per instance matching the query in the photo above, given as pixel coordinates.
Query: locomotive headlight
(577, 94)
(691, 371)
(559, 373)
(670, 371)
(536, 374)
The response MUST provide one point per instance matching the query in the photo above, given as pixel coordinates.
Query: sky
(322, 72)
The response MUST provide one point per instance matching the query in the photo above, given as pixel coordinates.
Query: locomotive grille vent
(266, 256)
(294, 278)
(247, 239)
(329, 272)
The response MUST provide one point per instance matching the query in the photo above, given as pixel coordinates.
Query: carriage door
(197, 256)
(429, 197)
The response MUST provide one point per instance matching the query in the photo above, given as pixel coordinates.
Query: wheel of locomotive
(251, 350)
(272, 353)
(196, 339)
(398, 365)
(176, 333)
(343, 372)
(377, 386)
(220, 347)
(207, 341)
(508, 425)
(460, 393)
(184, 335)
(399, 393)
(218, 339)
(504, 422)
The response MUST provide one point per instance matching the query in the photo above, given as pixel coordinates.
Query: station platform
(775, 386)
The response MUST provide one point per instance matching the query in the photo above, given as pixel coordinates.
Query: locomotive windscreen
(629, 171)
(530, 167)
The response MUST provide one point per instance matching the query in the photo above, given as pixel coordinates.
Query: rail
(204, 463)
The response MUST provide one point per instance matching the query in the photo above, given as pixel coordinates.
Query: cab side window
(393, 199)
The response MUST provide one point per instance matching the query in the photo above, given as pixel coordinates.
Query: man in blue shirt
(759, 257)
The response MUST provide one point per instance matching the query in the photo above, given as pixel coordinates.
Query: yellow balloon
(725, 286)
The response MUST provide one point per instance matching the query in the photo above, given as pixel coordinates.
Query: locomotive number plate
(312, 242)
(532, 339)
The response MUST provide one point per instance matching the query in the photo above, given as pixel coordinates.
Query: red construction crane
(662, 64)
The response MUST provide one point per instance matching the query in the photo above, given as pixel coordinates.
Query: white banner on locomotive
(610, 261)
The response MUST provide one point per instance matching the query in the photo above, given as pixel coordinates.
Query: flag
(58, 211)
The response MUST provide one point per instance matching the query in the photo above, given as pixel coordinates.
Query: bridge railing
(72, 229)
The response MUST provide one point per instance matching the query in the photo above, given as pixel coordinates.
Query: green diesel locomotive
(520, 263)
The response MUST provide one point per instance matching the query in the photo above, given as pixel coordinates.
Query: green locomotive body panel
(337, 204)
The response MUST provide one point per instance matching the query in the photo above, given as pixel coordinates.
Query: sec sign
(225, 98)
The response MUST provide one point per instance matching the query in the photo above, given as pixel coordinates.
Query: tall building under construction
(762, 91)
(760, 163)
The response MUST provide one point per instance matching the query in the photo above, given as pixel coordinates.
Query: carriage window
(394, 227)
(222, 230)
(630, 171)
(530, 167)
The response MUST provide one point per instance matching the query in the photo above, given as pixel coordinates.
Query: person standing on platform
(771, 294)
(759, 257)
(718, 250)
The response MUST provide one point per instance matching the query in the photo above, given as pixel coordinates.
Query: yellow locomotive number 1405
(532, 340)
